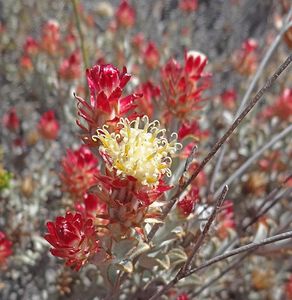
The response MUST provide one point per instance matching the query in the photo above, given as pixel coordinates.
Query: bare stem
(258, 153)
(81, 37)
(257, 75)
(222, 140)
(249, 247)
(233, 265)
(252, 246)
(203, 234)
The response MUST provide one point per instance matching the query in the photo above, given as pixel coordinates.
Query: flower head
(51, 37)
(5, 248)
(70, 67)
(188, 5)
(186, 205)
(73, 238)
(106, 84)
(141, 153)
(48, 126)
(31, 46)
(151, 55)
(11, 120)
(245, 60)
(125, 15)
(180, 84)
(79, 171)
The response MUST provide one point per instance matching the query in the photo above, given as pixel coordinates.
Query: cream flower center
(143, 153)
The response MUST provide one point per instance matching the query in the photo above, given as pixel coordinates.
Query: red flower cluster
(151, 55)
(125, 15)
(48, 126)
(50, 41)
(282, 108)
(5, 248)
(10, 120)
(188, 5)
(245, 60)
(192, 130)
(70, 67)
(226, 220)
(79, 171)
(106, 84)
(180, 85)
(74, 238)
(186, 206)
(228, 98)
(150, 92)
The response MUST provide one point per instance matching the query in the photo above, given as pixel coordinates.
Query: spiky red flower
(125, 14)
(283, 106)
(73, 238)
(180, 85)
(10, 120)
(31, 46)
(188, 5)
(150, 92)
(91, 206)
(5, 248)
(48, 126)
(288, 288)
(106, 84)
(245, 60)
(50, 41)
(70, 67)
(228, 98)
(183, 296)
(192, 129)
(226, 219)
(151, 55)
(79, 171)
(187, 204)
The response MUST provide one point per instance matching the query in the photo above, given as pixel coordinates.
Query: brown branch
(203, 234)
(252, 246)
(233, 265)
(222, 140)
(249, 247)
(251, 86)
(81, 37)
(181, 273)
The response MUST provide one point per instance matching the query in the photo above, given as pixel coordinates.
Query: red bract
(245, 60)
(51, 37)
(10, 120)
(48, 126)
(226, 219)
(5, 248)
(79, 171)
(188, 5)
(106, 84)
(150, 92)
(73, 238)
(187, 204)
(26, 63)
(91, 206)
(180, 85)
(228, 98)
(151, 55)
(282, 107)
(138, 41)
(125, 15)
(288, 288)
(192, 130)
(31, 46)
(182, 296)
(70, 67)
